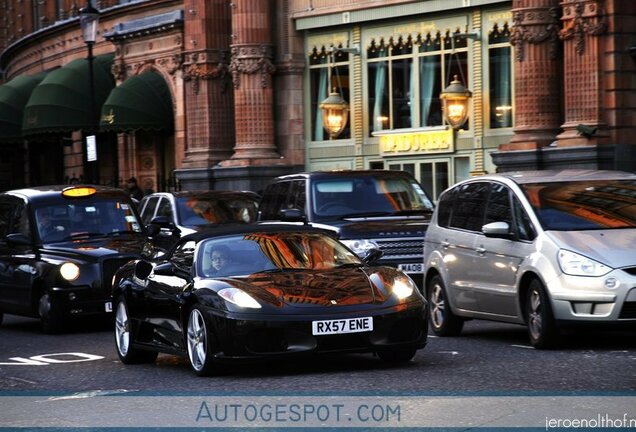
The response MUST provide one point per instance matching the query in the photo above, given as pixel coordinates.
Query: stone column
(207, 85)
(583, 21)
(252, 70)
(535, 36)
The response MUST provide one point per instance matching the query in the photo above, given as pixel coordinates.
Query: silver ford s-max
(540, 248)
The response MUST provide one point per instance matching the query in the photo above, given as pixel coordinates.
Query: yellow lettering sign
(437, 141)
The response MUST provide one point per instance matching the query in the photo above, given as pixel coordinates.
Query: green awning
(140, 102)
(13, 97)
(62, 101)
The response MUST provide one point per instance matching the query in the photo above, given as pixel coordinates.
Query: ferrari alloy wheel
(541, 326)
(398, 355)
(50, 324)
(443, 321)
(199, 343)
(127, 354)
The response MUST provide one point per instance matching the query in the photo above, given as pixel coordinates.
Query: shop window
(500, 77)
(327, 72)
(462, 168)
(406, 76)
(434, 177)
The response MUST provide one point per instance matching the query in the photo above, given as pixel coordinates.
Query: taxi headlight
(360, 246)
(403, 288)
(239, 298)
(69, 271)
(578, 265)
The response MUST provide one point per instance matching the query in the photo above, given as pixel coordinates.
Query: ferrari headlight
(239, 298)
(360, 246)
(577, 265)
(403, 288)
(69, 271)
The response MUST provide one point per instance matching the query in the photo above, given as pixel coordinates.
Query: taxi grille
(400, 248)
(109, 267)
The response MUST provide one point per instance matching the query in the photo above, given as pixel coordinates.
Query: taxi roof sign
(78, 191)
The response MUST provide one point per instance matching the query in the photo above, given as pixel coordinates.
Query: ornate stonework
(252, 59)
(535, 26)
(205, 66)
(581, 18)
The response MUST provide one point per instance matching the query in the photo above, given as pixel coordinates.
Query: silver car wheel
(437, 306)
(122, 329)
(197, 340)
(535, 323)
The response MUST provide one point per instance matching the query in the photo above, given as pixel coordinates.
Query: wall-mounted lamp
(335, 109)
(456, 96)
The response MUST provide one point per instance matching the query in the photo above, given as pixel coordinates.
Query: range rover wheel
(398, 355)
(127, 354)
(542, 328)
(199, 343)
(50, 323)
(442, 320)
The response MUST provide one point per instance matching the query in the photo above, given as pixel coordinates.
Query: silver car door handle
(480, 250)
(445, 244)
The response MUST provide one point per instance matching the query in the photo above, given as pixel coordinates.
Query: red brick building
(225, 94)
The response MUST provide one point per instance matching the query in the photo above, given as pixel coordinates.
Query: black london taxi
(60, 247)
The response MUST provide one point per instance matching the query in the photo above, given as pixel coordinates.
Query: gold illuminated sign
(437, 141)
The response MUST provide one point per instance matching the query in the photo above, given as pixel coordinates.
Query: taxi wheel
(401, 355)
(127, 354)
(443, 321)
(50, 324)
(199, 343)
(542, 328)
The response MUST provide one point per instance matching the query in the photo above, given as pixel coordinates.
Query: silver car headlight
(360, 246)
(69, 271)
(574, 264)
(403, 287)
(239, 298)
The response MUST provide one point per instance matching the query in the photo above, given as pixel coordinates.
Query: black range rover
(60, 247)
(387, 210)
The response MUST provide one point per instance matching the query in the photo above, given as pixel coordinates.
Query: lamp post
(335, 114)
(335, 110)
(455, 99)
(89, 18)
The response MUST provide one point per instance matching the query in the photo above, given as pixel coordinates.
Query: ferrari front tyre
(127, 354)
(199, 343)
(443, 321)
(542, 328)
(398, 355)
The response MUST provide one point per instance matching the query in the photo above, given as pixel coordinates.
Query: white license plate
(108, 306)
(350, 325)
(411, 268)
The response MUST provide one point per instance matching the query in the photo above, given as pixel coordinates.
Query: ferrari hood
(311, 288)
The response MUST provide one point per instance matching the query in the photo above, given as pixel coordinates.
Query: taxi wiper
(85, 234)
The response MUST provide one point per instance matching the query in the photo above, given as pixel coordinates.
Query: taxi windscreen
(85, 218)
